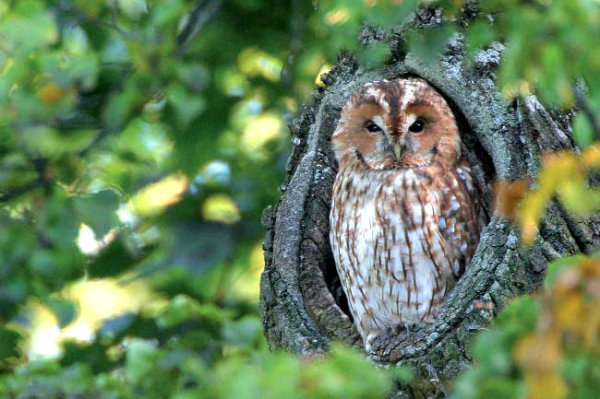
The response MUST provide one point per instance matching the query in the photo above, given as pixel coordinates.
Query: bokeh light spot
(152, 199)
(220, 208)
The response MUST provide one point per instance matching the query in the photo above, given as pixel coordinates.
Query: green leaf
(479, 35)
(493, 352)
(582, 130)
(521, 312)
(374, 55)
(120, 106)
(244, 332)
(94, 354)
(98, 211)
(142, 358)
(9, 340)
(187, 106)
(54, 144)
(556, 267)
(183, 308)
(429, 43)
(65, 310)
(59, 220)
(390, 13)
(133, 8)
(116, 258)
(32, 26)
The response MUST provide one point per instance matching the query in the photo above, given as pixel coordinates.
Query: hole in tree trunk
(484, 174)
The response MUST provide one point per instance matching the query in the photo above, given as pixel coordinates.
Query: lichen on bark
(302, 305)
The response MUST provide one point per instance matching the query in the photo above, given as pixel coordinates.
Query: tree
(302, 306)
(141, 140)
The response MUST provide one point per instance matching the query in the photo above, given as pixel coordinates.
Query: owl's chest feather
(389, 234)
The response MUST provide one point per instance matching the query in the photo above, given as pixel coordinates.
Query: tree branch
(17, 192)
(204, 12)
(100, 136)
(69, 7)
(40, 165)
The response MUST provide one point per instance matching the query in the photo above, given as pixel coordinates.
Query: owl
(406, 215)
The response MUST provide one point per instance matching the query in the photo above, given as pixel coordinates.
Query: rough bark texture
(302, 305)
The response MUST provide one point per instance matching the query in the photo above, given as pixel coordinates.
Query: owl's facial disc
(397, 124)
(399, 140)
(387, 144)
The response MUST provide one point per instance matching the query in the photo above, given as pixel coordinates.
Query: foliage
(140, 141)
(546, 346)
(154, 372)
(549, 45)
(549, 52)
(563, 175)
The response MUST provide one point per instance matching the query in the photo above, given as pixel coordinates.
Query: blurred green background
(140, 141)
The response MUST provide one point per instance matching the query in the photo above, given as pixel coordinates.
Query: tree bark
(302, 305)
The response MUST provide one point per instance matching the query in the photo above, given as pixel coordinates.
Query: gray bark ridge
(302, 306)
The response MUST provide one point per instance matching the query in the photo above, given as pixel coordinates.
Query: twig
(17, 192)
(100, 136)
(40, 165)
(68, 6)
(204, 12)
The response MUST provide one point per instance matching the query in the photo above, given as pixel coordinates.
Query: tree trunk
(302, 305)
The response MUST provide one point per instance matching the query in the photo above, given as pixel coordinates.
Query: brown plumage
(405, 217)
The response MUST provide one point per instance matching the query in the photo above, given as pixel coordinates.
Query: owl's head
(397, 123)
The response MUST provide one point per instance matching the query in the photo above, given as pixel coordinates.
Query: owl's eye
(372, 127)
(417, 126)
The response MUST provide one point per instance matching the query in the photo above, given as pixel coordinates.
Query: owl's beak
(398, 150)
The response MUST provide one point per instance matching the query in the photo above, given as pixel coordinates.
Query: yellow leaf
(562, 171)
(337, 16)
(255, 62)
(577, 198)
(569, 312)
(591, 333)
(508, 195)
(246, 284)
(259, 131)
(220, 208)
(539, 352)
(591, 268)
(545, 386)
(530, 213)
(591, 156)
(50, 94)
(154, 198)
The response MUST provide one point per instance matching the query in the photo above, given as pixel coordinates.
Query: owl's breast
(394, 260)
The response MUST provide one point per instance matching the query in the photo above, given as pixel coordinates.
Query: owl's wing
(461, 217)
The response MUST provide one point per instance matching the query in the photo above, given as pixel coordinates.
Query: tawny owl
(405, 217)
